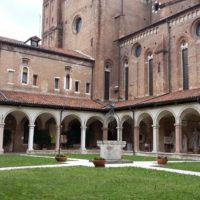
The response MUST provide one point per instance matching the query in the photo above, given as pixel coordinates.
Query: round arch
(190, 122)
(94, 131)
(72, 116)
(166, 120)
(46, 113)
(143, 116)
(125, 118)
(186, 111)
(20, 111)
(162, 114)
(93, 118)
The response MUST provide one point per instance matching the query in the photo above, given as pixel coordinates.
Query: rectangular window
(25, 75)
(10, 76)
(35, 79)
(87, 88)
(67, 82)
(56, 83)
(76, 86)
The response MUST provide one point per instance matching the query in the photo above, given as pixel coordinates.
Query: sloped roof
(61, 51)
(33, 99)
(165, 99)
(57, 101)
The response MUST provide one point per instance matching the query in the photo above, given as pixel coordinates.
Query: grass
(189, 166)
(81, 183)
(16, 160)
(125, 157)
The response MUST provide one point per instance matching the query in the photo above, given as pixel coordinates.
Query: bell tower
(52, 23)
(93, 27)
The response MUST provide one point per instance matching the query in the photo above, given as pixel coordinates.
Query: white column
(30, 138)
(1, 137)
(119, 133)
(83, 137)
(57, 137)
(155, 138)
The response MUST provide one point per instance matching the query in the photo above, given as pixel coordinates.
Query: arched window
(126, 78)
(150, 74)
(25, 75)
(184, 63)
(198, 29)
(67, 82)
(107, 81)
(77, 24)
(137, 49)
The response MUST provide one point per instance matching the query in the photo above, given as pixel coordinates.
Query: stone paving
(152, 165)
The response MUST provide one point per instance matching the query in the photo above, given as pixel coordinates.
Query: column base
(83, 151)
(1, 151)
(30, 151)
(178, 152)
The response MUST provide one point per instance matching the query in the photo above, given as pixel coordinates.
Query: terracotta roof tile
(175, 96)
(131, 102)
(12, 97)
(49, 100)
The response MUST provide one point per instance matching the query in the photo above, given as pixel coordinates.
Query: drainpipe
(61, 112)
(133, 128)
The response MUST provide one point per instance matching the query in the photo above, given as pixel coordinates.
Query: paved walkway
(86, 163)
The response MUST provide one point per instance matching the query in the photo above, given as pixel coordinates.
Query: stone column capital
(31, 125)
(178, 124)
(83, 127)
(156, 126)
(119, 127)
(2, 125)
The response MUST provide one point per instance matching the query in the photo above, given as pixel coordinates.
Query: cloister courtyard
(42, 177)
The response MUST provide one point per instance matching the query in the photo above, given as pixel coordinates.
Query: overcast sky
(20, 19)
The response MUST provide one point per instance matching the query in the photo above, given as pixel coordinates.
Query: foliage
(42, 138)
(162, 157)
(7, 137)
(98, 158)
(61, 155)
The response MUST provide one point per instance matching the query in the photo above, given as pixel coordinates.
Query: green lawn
(190, 166)
(81, 183)
(125, 157)
(17, 160)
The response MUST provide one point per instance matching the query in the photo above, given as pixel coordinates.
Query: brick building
(140, 59)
